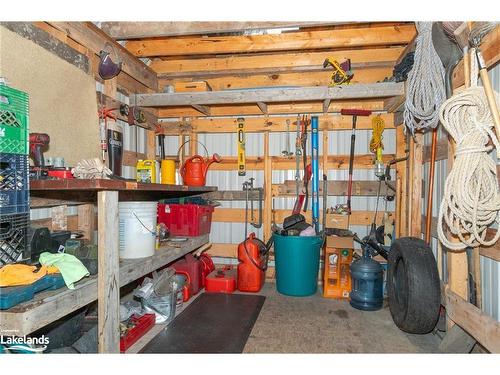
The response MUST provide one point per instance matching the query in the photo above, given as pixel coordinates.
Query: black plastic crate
(14, 238)
(14, 184)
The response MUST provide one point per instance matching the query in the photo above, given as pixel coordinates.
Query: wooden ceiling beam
(341, 38)
(371, 75)
(273, 109)
(90, 36)
(273, 124)
(272, 63)
(270, 95)
(139, 30)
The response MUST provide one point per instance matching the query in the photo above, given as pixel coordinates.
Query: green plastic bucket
(297, 264)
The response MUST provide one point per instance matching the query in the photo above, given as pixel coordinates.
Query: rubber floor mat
(213, 323)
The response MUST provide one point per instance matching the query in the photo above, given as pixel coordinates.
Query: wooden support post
(324, 165)
(108, 284)
(193, 143)
(86, 221)
(150, 145)
(110, 88)
(202, 108)
(416, 167)
(326, 105)
(401, 191)
(268, 189)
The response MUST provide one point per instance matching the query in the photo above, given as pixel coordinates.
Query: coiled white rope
(426, 87)
(471, 200)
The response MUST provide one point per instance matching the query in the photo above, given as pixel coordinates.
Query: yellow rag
(22, 274)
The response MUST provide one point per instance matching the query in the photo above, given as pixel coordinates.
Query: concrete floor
(320, 325)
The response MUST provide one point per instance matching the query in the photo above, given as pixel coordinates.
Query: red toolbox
(186, 219)
(221, 280)
(142, 325)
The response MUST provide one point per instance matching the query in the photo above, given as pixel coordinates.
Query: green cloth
(72, 270)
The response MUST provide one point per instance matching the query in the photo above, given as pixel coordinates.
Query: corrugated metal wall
(490, 269)
(338, 143)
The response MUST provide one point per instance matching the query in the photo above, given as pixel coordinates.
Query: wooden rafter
(272, 63)
(271, 95)
(342, 38)
(138, 30)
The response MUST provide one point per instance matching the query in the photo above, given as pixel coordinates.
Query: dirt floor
(320, 325)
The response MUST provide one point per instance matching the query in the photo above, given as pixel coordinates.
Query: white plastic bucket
(137, 226)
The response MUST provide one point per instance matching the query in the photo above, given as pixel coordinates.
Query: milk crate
(14, 184)
(14, 124)
(14, 238)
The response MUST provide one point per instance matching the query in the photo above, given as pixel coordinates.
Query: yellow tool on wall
(241, 146)
(342, 73)
(376, 145)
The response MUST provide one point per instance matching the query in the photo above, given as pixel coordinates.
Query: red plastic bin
(186, 219)
(142, 325)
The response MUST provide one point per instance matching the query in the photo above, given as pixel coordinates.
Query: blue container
(297, 264)
(367, 284)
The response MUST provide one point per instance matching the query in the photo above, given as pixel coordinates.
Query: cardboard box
(338, 221)
(337, 260)
(340, 242)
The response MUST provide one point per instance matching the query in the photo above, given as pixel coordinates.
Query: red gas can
(221, 281)
(251, 273)
(207, 266)
(192, 266)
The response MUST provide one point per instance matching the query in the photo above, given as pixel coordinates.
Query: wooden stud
(202, 108)
(268, 192)
(150, 145)
(108, 289)
(401, 192)
(263, 107)
(326, 105)
(416, 186)
(86, 221)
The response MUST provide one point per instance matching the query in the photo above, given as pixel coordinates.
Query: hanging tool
(315, 172)
(104, 114)
(241, 146)
(307, 168)
(376, 145)
(325, 195)
(354, 113)
(250, 190)
(342, 73)
(298, 154)
(286, 152)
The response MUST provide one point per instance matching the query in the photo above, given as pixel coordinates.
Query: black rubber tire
(413, 286)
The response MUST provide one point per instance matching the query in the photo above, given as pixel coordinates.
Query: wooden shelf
(47, 307)
(45, 193)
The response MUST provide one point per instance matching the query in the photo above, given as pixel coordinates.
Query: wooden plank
(108, 281)
(401, 183)
(306, 78)
(491, 54)
(441, 151)
(69, 54)
(416, 186)
(268, 186)
(50, 306)
(342, 38)
(95, 39)
(130, 158)
(282, 163)
(338, 188)
(479, 325)
(150, 145)
(86, 221)
(272, 63)
(140, 30)
(237, 215)
(273, 108)
(328, 122)
(270, 95)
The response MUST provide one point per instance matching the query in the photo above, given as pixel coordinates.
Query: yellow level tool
(241, 146)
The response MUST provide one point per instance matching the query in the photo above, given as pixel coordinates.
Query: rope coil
(426, 84)
(378, 126)
(471, 200)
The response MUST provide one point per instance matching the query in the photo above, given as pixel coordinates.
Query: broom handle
(351, 163)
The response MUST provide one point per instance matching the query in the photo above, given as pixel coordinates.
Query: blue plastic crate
(14, 184)
(14, 238)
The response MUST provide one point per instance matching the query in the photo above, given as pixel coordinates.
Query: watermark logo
(23, 344)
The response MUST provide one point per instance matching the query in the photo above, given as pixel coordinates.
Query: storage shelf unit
(47, 307)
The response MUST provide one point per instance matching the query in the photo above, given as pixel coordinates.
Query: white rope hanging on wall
(426, 86)
(471, 200)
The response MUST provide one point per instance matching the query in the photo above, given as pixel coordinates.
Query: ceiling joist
(212, 45)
